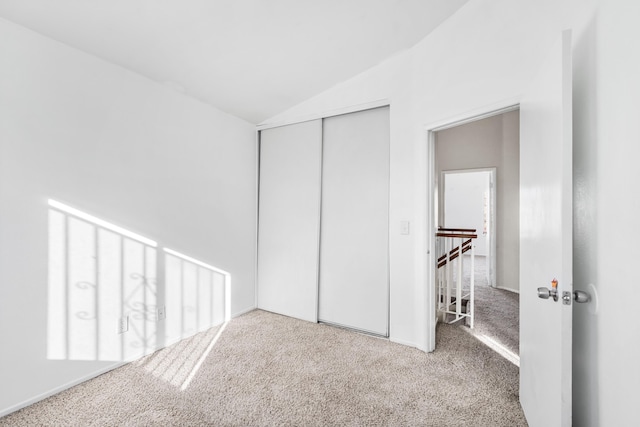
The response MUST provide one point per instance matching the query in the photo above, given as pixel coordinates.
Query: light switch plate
(404, 227)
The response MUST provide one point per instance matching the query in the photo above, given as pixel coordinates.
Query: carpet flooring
(264, 369)
(497, 311)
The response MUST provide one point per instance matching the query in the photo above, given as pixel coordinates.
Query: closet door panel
(289, 219)
(354, 272)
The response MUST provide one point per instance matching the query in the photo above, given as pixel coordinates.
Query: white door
(546, 240)
(354, 237)
(289, 219)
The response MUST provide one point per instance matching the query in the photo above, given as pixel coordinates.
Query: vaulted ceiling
(250, 58)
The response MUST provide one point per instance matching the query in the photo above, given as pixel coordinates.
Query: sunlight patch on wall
(201, 293)
(98, 274)
(100, 223)
(105, 302)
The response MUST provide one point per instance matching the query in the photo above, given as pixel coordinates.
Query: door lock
(545, 293)
(577, 296)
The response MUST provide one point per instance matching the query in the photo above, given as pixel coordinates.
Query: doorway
(469, 201)
(476, 186)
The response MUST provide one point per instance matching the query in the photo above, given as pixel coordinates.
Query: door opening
(476, 186)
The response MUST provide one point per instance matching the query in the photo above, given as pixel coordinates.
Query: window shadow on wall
(114, 295)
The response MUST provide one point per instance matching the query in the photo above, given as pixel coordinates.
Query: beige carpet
(268, 370)
(497, 311)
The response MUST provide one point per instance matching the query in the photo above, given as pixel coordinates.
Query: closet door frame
(322, 116)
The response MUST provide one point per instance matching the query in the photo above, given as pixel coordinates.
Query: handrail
(469, 230)
(471, 236)
(450, 293)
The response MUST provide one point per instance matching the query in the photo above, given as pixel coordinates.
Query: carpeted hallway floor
(497, 311)
(267, 369)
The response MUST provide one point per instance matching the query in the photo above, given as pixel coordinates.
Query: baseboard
(75, 382)
(245, 311)
(515, 291)
(59, 389)
(92, 375)
(403, 342)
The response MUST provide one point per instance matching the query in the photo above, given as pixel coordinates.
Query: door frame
(492, 256)
(429, 208)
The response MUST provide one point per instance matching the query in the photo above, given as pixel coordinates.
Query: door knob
(581, 296)
(545, 293)
(578, 296)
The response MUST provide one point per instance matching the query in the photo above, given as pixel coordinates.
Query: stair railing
(451, 244)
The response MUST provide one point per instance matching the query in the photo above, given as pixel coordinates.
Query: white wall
(491, 142)
(465, 195)
(124, 149)
(480, 57)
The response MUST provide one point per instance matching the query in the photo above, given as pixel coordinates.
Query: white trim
(97, 373)
(427, 173)
(325, 114)
(402, 342)
(60, 389)
(243, 312)
(319, 224)
(490, 110)
(427, 303)
(515, 291)
(431, 241)
(257, 224)
(470, 170)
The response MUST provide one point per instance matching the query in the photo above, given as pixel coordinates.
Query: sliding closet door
(354, 242)
(289, 219)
